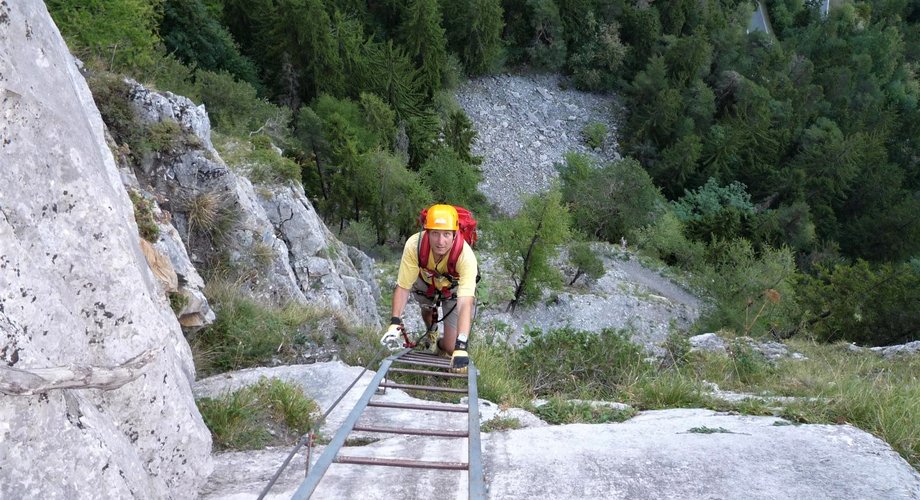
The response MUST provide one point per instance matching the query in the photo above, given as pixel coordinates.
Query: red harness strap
(424, 249)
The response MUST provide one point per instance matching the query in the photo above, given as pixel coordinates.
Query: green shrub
(578, 363)
(118, 35)
(585, 261)
(166, 73)
(177, 301)
(112, 96)
(164, 136)
(595, 133)
(752, 293)
(234, 107)
(664, 239)
(608, 202)
(266, 165)
(271, 412)
(869, 305)
(715, 211)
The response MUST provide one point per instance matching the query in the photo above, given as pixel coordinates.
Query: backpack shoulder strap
(454, 255)
(424, 250)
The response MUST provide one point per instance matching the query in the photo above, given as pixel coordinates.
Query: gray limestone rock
(908, 349)
(709, 342)
(275, 234)
(322, 264)
(76, 289)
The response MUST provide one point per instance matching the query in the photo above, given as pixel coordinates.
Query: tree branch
(16, 382)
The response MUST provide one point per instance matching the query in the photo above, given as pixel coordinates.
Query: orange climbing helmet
(443, 217)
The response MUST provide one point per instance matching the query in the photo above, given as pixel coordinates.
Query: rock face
(75, 288)
(275, 234)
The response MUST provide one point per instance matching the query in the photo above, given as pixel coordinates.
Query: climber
(438, 265)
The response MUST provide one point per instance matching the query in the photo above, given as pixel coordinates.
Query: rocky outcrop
(75, 289)
(771, 351)
(893, 351)
(322, 264)
(271, 234)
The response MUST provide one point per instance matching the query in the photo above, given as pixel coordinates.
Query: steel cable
(307, 439)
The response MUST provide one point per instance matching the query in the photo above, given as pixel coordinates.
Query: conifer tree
(191, 32)
(422, 35)
(393, 77)
(527, 242)
(474, 30)
(305, 61)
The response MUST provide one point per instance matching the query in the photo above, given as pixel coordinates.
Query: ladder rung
(410, 406)
(420, 354)
(423, 387)
(413, 432)
(428, 372)
(423, 363)
(395, 462)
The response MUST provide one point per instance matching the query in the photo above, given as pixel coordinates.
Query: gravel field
(526, 123)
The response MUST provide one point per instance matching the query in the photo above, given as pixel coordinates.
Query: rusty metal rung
(410, 406)
(423, 357)
(423, 363)
(413, 432)
(428, 373)
(426, 359)
(423, 387)
(396, 462)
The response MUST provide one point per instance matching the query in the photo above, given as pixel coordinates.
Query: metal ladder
(438, 367)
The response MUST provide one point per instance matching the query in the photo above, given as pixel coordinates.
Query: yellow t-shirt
(466, 267)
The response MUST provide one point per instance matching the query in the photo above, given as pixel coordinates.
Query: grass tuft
(271, 412)
(247, 333)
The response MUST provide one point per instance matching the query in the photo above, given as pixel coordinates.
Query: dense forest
(779, 169)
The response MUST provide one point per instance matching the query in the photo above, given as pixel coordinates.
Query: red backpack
(467, 228)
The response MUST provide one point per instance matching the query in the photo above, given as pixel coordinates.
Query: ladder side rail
(477, 487)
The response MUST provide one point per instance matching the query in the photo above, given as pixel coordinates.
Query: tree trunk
(577, 275)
